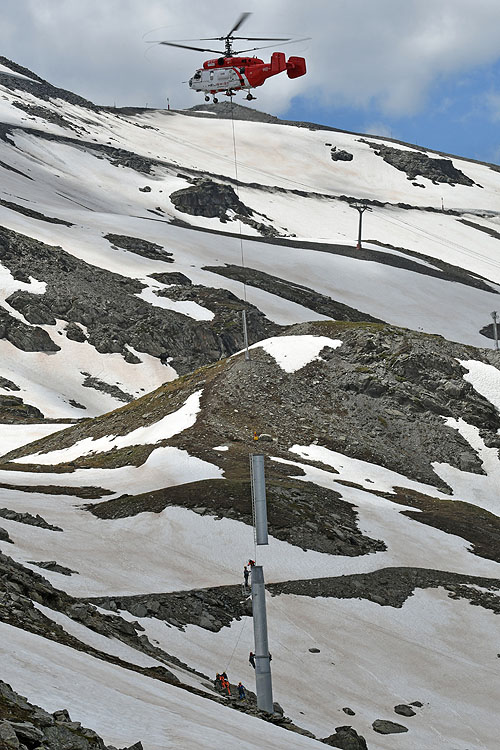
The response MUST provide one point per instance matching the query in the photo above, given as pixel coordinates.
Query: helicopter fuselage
(236, 73)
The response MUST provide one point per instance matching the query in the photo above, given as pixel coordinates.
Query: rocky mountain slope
(128, 250)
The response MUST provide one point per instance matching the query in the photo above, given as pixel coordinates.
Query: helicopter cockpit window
(242, 69)
(197, 75)
(211, 75)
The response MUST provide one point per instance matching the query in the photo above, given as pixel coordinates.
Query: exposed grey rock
(349, 711)
(346, 738)
(172, 277)
(27, 732)
(210, 199)
(4, 536)
(8, 385)
(297, 293)
(74, 332)
(404, 710)
(13, 409)
(112, 390)
(314, 650)
(417, 163)
(108, 306)
(25, 211)
(54, 567)
(340, 154)
(136, 245)
(8, 737)
(383, 726)
(25, 337)
(28, 518)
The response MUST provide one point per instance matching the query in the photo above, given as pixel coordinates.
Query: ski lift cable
(292, 181)
(446, 243)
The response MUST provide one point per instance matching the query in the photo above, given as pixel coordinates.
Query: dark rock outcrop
(108, 306)
(340, 154)
(403, 710)
(346, 738)
(24, 726)
(383, 726)
(297, 293)
(416, 163)
(13, 409)
(22, 336)
(140, 247)
(210, 199)
(27, 518)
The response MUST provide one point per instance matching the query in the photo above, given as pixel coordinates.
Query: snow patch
(294, 352)
(165, 428)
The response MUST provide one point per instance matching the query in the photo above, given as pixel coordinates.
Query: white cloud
(378, 128)
(386, 52)
(493, 105)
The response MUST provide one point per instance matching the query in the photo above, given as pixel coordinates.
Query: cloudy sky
(423, 71)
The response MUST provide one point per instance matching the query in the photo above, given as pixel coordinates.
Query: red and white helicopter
(230, 73)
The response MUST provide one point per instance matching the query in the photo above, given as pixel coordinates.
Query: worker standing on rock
(225, 683)
(241, 691)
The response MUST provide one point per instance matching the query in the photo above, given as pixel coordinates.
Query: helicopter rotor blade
(264, 38)
(238, 23)
(185, 46)
(267, 46)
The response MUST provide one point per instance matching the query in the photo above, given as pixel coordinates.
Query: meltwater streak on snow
(429, 648)
(165, 428)
(479, 489)
(294, 352)
(125, 707)
(484, 378)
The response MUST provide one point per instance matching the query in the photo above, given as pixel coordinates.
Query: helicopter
(230, 72)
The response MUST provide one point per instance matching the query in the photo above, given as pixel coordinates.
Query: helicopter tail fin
(295, 67)
(278, 63)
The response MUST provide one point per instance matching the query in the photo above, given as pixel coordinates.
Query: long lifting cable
(243, 266)
(237, 191)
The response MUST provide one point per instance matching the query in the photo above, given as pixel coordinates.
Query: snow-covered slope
(81, 178)
(121, 267)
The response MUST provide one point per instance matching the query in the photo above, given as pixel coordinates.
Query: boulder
(346, 738)
(8, 738)
(383, 726)
(403, 710)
